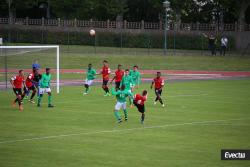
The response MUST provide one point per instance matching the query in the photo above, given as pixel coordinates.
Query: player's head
(144, 93)
(158, 74)
(126, 71)
(35, 71)
(135, 67)
(119, 67)
(20, 72)
(47, 70)
(89, 65)
(122, 87)
(105, 62)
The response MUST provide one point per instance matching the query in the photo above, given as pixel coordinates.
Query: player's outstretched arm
(152, 85)
(113, 79)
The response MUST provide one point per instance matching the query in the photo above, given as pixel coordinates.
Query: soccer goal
(14, 58)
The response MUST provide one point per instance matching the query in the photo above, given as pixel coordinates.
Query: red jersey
(29, 79)
(105, 72)
(159, 82)
(139, 99)
(18, 81)
(119, 74)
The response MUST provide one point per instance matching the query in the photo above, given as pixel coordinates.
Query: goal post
(56, 47)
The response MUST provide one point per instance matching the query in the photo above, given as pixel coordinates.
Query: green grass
(77, 57)
(176, 144)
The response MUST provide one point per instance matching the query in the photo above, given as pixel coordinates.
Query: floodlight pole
(166, 5)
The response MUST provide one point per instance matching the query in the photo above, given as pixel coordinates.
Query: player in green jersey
(91, 74)
(127, 81)
(45, 88)
(121, 96)
(136, 76)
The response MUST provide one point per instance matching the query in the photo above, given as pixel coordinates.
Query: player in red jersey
(17, 83)
(118, 77)
(139, 101)
(105, 71)
(30, 84)
(158, 83)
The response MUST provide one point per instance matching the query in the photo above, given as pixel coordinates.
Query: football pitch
(200, 119)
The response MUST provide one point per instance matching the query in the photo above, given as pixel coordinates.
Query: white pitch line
(117, 131)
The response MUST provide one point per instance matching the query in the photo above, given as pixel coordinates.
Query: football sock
(27, 92)
(49, 99)
(22, 96)
(125, 113)
(107, 90)
(19, 101)
(32, 95)
(142, 117)
(40, 99)
(117, 115)
(160, 101)
(16, 100)
(156, 98)
(87, 88)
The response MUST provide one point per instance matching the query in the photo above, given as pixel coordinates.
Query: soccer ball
(92, 32)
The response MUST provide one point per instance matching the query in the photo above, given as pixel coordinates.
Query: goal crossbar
(43, 46)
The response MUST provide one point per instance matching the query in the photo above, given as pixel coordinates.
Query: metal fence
(125, 24)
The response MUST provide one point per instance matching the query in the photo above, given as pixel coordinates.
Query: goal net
(14, 58)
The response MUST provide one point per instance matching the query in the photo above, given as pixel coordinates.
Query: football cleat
(50, 105)
(154, 102)
(32, 101)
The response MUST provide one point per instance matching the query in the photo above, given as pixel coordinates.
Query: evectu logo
(235, 154)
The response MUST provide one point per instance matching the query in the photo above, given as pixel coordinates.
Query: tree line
(202, 11)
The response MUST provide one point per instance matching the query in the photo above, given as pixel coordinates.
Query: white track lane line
(120, 130)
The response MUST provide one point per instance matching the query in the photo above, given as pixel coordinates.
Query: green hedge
(129, 40)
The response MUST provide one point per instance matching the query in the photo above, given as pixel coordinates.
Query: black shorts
(17, 91)
(32, 88)
(158, 92)
(141, 108)
(117, 85)
(105, 82)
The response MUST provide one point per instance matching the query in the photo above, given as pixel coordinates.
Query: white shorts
(120, 105)
(44, 90)
(89, 82)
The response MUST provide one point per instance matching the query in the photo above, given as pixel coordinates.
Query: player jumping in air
(105, 76)
(127, 81)
(158, 83)
(136, 76)
(121, 96)
(139, 101)
(30, 84)
(91, 74)
(17, 83)
(118, 77)
(45, 88)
